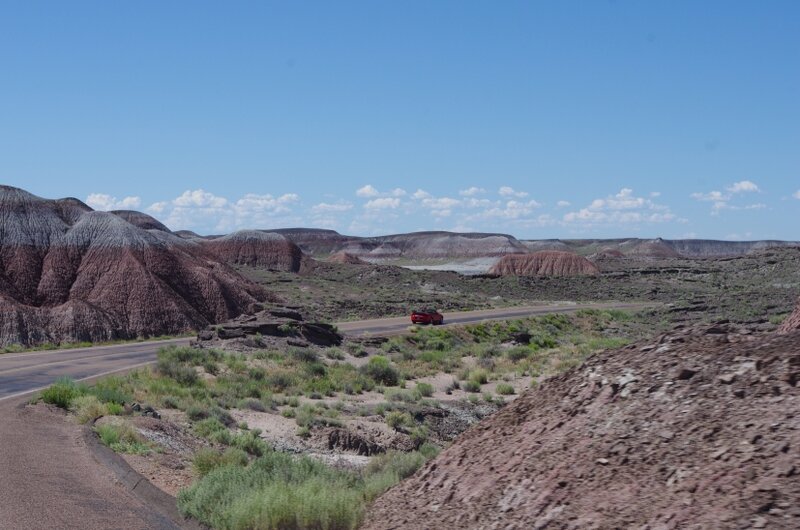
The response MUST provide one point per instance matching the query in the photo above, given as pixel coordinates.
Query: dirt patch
(792, 322)
(699, 427)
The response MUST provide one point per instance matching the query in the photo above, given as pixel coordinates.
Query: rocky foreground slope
(544, 263)
(792, 322)
(697, 429)
(68, 273)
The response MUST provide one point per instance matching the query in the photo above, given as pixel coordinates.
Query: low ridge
(544, 263)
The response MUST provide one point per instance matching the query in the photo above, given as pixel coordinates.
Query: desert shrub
(112, 390)
(253, 404)
(197, 412)
(386, 470)
(122, 438)
(275, 491)
(62, 392)
(399, 420)
(479, 376)
(87, 408)
(397, 394)
(303, 355)
(471, 386)
(207, 460)
(208, 427)
(184, 374)
(424, 389)
(115, 409)
(517, 353)
(251, 443)
(335, 353)
(380, 369)
(504, 389)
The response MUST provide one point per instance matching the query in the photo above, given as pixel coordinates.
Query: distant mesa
(256, 248)
(345, 257)
(544, 263)
(608, 253)
(792, 322)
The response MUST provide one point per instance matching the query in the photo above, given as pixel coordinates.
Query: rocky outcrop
(696, 429)
(258, 330)
(792, 322)
(255, 248)
(544, 263)
(68, 273)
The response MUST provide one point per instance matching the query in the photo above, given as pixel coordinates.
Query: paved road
(21, 373)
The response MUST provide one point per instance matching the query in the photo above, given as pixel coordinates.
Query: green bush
(122, 438)
(397, 420)
(471, 386)
(479, 376)
(380, 369)
(276, 491)
(87, 408)
(504, 389)
(62, 392)
(207, 460)
(424, 389)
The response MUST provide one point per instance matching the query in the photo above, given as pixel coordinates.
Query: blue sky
(540, 119)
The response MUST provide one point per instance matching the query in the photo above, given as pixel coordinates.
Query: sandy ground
(51, 480)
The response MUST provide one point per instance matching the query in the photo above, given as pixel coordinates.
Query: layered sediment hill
(544, 263)
(344, 257)
(141, 220)
(697, 429)
(792, 322)
(258, 249)
(68, 273)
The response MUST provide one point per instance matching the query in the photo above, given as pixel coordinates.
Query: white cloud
(398, 192)
(382, 203)
(623, 208)
(512, 210)
(325, 207)
(471, 192)
(508, 191)
(744, 186)
(721, 200)
(421, 194)
(655, 194)
(204, 211)
(796, 194)
(563, 204)
(105, 202)
(199, 199)
(367, 191)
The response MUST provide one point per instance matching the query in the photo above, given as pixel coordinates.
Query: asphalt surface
(21, 373)
(48, 476)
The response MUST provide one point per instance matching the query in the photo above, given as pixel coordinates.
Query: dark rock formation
(68, 273)
(544, 263)
(278, 323)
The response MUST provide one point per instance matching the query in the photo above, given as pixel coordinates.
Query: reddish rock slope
(792, 322)
(344, 257)
(258, 249)
(698, 429)
(544, 263)
(68, 273)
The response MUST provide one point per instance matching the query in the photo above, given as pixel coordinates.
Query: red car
(427, 316)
